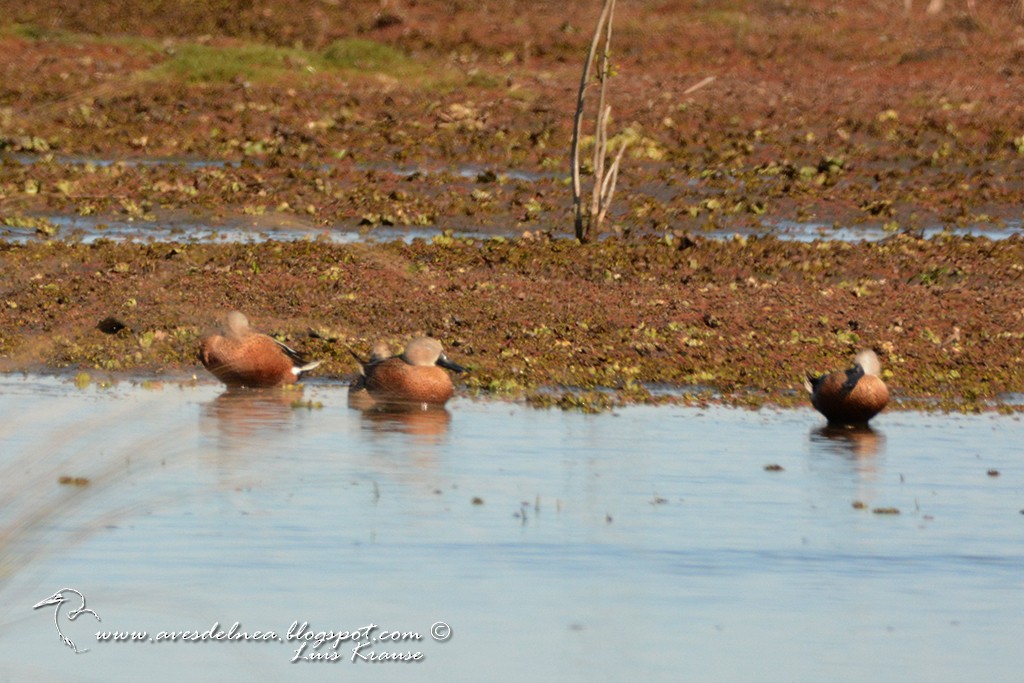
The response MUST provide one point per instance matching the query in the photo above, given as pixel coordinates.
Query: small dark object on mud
(774, 468)
(110, 325)
(712, 321)
(66, 480)
(886, 511)
(478, 500)
(993, 473)
(859, 505)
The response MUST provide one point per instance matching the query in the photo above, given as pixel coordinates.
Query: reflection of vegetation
(42, 225)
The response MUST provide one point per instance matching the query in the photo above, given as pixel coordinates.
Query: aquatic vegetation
(358, 54)
(308, 404)
(363, 120)
(202, 63)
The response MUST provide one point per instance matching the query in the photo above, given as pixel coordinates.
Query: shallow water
(471, 171)
(646, 544)
(89, 229)
(284, 228)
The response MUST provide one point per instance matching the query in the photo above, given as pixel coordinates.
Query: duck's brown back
(868, 397)
(252, 361)
(395, 380)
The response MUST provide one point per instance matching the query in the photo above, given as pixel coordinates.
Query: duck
(417, 375)
(379, 352)
(850, 397)
(242, 357)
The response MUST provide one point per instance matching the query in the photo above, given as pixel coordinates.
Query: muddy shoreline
(742, 319)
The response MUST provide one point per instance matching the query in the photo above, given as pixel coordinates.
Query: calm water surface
(644, 544)
(90, 229)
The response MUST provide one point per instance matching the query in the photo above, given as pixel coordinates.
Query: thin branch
(603, 116)
(600, 148)
(608, 186)
(577, 193)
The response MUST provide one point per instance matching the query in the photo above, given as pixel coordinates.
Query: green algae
(201, 63)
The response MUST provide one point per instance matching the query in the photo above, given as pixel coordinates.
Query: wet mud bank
(553, 321)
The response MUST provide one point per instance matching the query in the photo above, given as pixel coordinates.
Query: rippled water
(644, 544)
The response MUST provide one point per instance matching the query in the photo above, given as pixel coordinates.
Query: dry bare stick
(604, 112)
(608, 186)
(600, 145)
(697, 86)
(604, 179)
(582, 232)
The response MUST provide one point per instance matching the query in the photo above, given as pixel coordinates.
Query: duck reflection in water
(420, 420)
(856, 441)
(244, 414)
(404, 393)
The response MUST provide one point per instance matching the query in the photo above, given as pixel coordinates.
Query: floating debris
(308, 404)
(521, 514)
